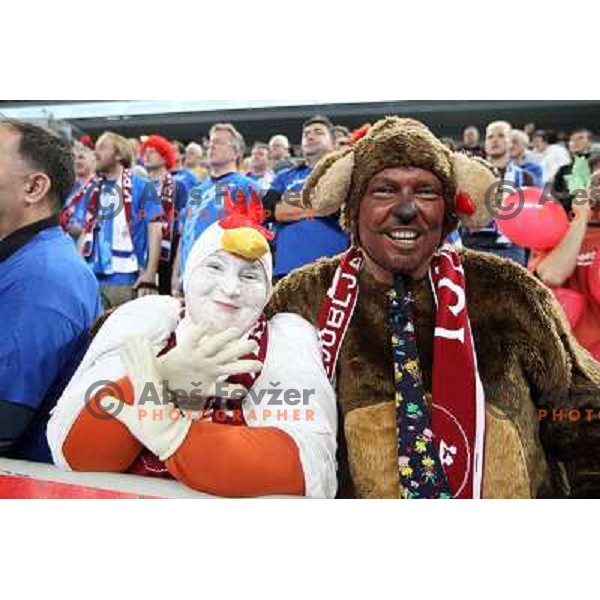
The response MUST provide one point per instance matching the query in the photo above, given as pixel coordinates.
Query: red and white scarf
(92, 198)
(458, 408)
(66, 214)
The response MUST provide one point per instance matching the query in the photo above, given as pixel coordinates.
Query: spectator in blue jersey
(489, 238)
(207, 200)
(179, 170)
(260, 166)
(301, 237)
(194, 160)
(172, 193)
(49, 298)
(71, 219)
(279, 153)
(523, 157)
(123, 225)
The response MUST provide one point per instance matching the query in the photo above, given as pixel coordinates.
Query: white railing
(22, 479)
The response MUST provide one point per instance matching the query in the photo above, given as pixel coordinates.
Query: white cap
(245, 242)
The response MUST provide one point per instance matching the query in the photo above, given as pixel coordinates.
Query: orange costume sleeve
(214, 458)
(101, 444)
(228, 460)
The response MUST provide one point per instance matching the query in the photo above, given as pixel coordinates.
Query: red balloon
(532, 221)
(572, 302)
(595, 351)
(594, 278)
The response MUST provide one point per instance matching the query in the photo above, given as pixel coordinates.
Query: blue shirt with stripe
(300, 242)
(145, 208)
(49, 299)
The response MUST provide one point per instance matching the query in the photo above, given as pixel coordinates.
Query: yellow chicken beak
(244, 242)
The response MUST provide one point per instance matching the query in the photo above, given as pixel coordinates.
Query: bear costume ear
(328, 186)
(474, 177)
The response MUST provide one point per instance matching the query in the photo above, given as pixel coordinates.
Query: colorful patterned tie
(421, 472)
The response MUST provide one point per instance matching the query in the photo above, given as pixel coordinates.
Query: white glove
(159, 427)
(200, 361)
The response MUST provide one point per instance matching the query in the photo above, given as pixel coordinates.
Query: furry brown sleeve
(562, 376)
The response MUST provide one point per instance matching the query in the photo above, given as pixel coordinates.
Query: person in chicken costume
(225, 446)
(455, 373)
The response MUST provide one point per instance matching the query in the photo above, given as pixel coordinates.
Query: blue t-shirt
(185, 182)
(535, 170)
(206, 204)
(49, 298)
(304, 241)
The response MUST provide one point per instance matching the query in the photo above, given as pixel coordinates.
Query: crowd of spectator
(133, 208)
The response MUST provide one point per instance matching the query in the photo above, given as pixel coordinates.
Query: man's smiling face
(400, 222)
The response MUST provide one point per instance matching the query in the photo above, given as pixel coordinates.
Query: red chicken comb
(242, 213)
(360, 133)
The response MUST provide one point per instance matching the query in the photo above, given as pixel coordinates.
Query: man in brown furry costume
(399, 190)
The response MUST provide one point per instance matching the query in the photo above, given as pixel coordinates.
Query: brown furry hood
(340, 179)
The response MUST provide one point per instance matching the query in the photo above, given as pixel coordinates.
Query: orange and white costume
(277, 447)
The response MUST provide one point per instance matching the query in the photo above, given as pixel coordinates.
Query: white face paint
(227, 291)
